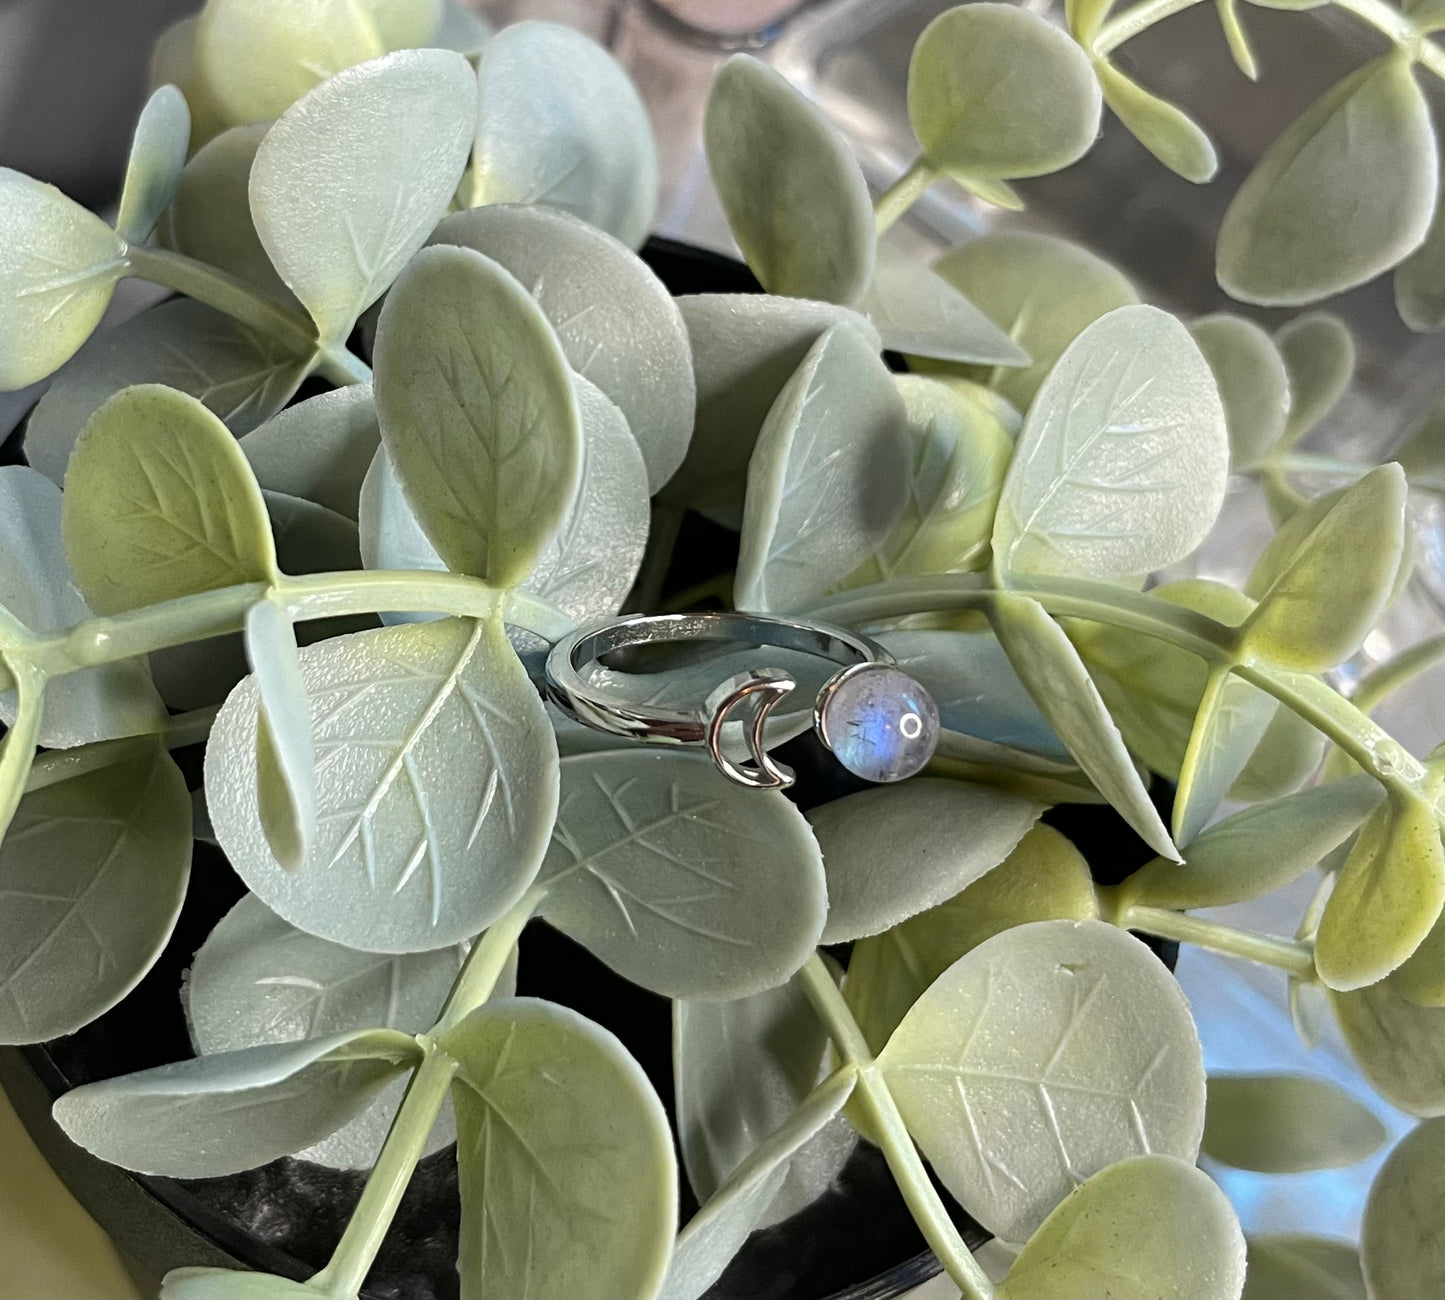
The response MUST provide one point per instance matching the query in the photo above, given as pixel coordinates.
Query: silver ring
(879, 723)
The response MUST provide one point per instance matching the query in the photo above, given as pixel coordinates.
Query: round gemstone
(879, 723)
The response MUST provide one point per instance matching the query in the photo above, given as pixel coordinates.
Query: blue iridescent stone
(879, 723)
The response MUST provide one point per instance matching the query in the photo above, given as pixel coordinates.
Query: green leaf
(1400, 1247)
(679, 879)
(36, 587)
(1124, 457)
(560, 123)
(1286, 1124)
(1254, 384)
(1042, 1056)
(719, 1229)
(258, 980)
(1183, 1239)
(1421, 978)
(745, 347)
(351, 180)
(1232, 719)
(1286, 758)
(1399, 1047)
(93, 871)
(1420, 280)
(827, 480)
(59, 265)
(1258, 850)
(257, 57)
(160, 503)
(285, 757)
(1292, 1266)
(173, 62)
(436, 787)
(1319, 604)
(461, 29)
(1365, 154)
(917, 311)
(235, 1110)
(799, 209)
(157, 155)
(1421, 455)
(1051, 670)
(319, 449)
(999, 92)
(1319, 357)
(741, 1069)
(477, 412)
(618, 326)
(893, 851)
(1044, 879)
(210, 217)
(1388, 895)
(568, 1181)
(1169, 133)
(1237, 37)
(238, 373)
(231, 1284)
(1085, 17)
(1040, 291)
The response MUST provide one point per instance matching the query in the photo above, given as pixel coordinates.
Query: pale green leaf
(1399, 1047)
(719, 1229)
(351, 180)
(1421, 455)
(93, 871)
(1232, 719)
(36, 587)
(918, 311)
(319, 449)
(1183, 1240)
(893, 851)
(1319, 357)
(977, 97)
(1421, 978)
(257, 57)
(436, 787)
(1046, 1054)
(1287, 756)
(231, 1284)
(59, 265)
(568, 1181)
(1420, 280)
(1319, 604)
(1085, 17)
(157, 155)
(461, 29)
(477, 412)
(1044, 879)
(744, 349)
(679, 879)
(235, 1110)
(1254, 384)
(1388, 895)
(173, 62)
(1051, 670)
(285, 757)
(1364, 154)
(1237, 37)
(1169, 133)
(799, 209)
(827, 480)
(1258, 850)
(237, 372)
(1402, 1254)
(160, 503)
(618, 326)
(741, 1069)
(1286, 1124)
(1123, 460)
(1040, 291)
(1292, 1266)
(559, 122)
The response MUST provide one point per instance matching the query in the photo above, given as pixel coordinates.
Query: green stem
(1284, 954)
(889, 206)
(17, 749)
(1307, 462)
(1374, 687)
(387, 1182)
(484, 964)
(1134, 20)
(903, 1159)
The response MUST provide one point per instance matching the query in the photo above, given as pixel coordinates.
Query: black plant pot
(857, 1242)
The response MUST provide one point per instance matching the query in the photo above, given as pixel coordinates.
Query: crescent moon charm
(766, 687)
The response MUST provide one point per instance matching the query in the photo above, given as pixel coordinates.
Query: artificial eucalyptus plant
(503, 449)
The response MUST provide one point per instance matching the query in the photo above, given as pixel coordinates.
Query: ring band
(880, 723)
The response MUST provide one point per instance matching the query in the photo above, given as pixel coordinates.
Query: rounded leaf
(1292, 1266)
(1420, 280)
(1253, 384)
(1400, 1246)
(1319, 355)
(1169, 133)
(319, 449)
(799, 209)
(1045, 1054)
(1344, 193)
(1399, 1047)
(997, 92)
(157, 155)
(1286, 1124)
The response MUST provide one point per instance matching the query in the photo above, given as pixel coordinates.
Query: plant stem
(889, 206)
(903, 1159)
(387, 1182)
(17, 749)
(1284, 954)
(484, 964)
(1307, 462)
(1134, 20)
(1376, 686)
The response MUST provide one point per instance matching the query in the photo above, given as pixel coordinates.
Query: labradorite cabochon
(879, 723)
